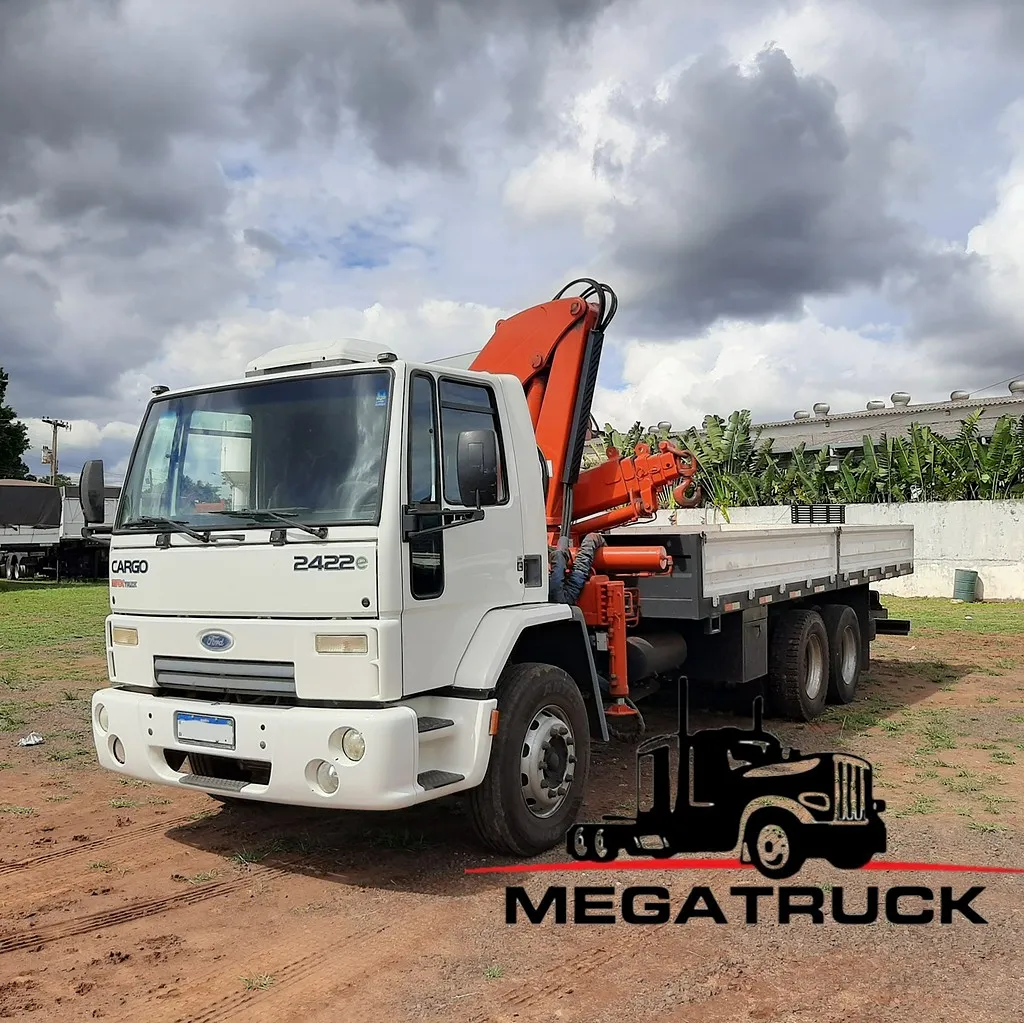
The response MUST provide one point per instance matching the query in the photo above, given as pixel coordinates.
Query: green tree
(13, 438)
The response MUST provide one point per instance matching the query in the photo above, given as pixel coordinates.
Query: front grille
(851, 789)
(239, 678)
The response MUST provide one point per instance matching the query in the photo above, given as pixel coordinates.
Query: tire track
(563, 977)
(121, 837)
(49, 934)
(316, 972)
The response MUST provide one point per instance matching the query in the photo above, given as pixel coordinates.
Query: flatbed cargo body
(718, 569)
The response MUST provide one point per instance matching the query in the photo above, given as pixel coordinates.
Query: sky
(794, 201)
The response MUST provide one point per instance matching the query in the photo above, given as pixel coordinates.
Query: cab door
(453, 577)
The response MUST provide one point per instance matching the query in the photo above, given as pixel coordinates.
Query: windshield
(311, 449)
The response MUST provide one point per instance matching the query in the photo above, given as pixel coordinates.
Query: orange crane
(555, 350)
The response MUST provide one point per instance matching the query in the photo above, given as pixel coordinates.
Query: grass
(44, 615)
(494, 972)
(938, 614)
(257, 982)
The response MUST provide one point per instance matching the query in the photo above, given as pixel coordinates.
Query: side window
(467, 407)
(426, 553)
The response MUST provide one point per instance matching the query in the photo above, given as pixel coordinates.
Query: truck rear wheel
(844, 643)
(540, 760)
(798, 660)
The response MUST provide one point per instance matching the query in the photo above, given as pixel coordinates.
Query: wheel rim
(548, 762)
(849, 654)
(815, 668)
(773, 846)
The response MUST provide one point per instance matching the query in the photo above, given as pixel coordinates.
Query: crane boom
(555, 351)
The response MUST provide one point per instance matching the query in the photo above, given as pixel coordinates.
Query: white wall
(986, 537)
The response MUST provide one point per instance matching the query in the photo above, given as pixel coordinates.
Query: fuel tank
(652, 653)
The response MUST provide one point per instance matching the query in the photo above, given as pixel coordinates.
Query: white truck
(346, 580)
(41, 533)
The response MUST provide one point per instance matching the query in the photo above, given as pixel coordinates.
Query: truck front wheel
(540, 760)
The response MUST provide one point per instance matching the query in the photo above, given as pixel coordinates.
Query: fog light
(101, 717)
(325, 644)
(327, 777)
(117, 748)
(121, 636)
(353, 745)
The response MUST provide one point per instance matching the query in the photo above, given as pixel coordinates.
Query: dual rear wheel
(814, 658)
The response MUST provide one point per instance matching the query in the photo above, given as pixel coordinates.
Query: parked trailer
(41, 533)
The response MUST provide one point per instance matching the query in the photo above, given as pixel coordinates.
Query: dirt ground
(123, 901)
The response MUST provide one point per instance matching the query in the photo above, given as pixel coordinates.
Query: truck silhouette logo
(740, 789)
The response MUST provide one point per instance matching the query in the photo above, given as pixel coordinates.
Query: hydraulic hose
(581, 567)
(559, 560)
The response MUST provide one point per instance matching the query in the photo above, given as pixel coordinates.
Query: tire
(534, 700)
(845, 654)
(773, 841)
(798, 659)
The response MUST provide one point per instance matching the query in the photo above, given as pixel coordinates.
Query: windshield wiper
(320, 532)
(175, 524)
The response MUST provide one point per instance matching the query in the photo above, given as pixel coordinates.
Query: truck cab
(318, 573)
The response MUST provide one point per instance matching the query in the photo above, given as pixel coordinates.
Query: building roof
(847, 429)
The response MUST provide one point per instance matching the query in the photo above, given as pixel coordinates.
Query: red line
(682, 863)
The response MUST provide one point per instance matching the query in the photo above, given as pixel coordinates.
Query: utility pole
(57, 424)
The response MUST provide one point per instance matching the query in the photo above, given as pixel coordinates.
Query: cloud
(737, 193)
(131, 132)
(763, 182)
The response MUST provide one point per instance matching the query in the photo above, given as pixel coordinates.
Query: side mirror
(91, 492)
(477, 467)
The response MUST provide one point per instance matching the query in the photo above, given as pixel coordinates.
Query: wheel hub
(815, 667)
(849, 654)
(548, 762)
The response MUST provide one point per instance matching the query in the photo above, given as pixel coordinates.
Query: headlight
(101, 717)
(117, 748)
(121, 636)
(353, 745)
(327, 644)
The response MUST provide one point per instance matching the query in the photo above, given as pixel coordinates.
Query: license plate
(205, 729)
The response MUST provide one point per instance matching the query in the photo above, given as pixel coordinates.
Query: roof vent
(900, 398)
(801, 414)
(959, 395)
(1017, 386)
(873, 406)
(316, 354)
(821, 409)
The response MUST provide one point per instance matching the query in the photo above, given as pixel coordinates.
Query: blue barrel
(965, 585)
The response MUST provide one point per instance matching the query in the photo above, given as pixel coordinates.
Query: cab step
(206, 782)
(429, 724)
(438, 779)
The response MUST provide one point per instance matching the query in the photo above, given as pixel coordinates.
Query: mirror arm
(411, 518)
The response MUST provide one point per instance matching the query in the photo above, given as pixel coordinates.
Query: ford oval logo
(216, 640)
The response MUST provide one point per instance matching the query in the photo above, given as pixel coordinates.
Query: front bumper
(292, 741)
